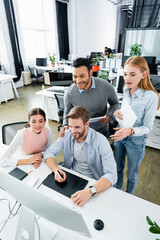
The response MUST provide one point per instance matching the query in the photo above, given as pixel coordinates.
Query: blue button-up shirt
(144, 103)
(97, 151)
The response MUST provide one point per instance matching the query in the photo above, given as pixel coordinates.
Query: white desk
(6, 84)
(49, 102)
(123, 214)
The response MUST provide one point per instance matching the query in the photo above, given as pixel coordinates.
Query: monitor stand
(23, 226)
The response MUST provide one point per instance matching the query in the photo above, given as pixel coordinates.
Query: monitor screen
(45, 206)
(60, 78)
(41, 62)
(94, 54)
(124, 59)
(150, 59)
(120, 84)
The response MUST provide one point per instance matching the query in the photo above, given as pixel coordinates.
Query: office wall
(149, 38)
(92, 26)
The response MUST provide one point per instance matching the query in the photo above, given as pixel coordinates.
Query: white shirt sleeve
(6, 159)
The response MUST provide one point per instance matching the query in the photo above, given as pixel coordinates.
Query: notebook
(18, 173)
(72, 184)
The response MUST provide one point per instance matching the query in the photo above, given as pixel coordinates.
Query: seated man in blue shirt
(85, 151)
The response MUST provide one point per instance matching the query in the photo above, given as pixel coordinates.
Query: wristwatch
(93, 190)
(132, 132)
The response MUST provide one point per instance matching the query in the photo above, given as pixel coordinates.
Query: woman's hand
(62, 132)
(120, 133)
(118, 114)
(35, 158)
(82, 196)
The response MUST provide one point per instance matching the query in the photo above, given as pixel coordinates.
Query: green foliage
(103, 74)
(96, 61)
(111, 55)
(135, 49)
(154, 226)
(52, 57)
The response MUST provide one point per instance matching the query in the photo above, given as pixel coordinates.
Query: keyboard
(55, 90)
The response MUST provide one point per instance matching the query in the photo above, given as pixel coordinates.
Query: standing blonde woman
(31, 140)
(144, 100)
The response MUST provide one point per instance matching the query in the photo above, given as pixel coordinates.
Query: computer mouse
(98, 224)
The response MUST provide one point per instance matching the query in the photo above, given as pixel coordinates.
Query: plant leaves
(154, 229)
(149, 221)
(156, 224)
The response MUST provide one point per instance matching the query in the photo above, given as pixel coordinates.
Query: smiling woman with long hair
(32, 140)
(144, 100)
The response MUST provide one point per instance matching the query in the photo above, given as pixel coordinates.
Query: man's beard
(79, 135)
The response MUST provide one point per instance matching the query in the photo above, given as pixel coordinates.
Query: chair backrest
(60, 101)
(33, 71)
(60, 104)
(9, 131)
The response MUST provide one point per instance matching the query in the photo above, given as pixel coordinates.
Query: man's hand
(60, 176)
(62, 132)
(104, 120)
(81, 196)
(120, 134)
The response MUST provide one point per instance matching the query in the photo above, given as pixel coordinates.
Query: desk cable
(11, 214)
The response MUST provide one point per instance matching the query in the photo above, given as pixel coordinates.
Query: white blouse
(7, 158)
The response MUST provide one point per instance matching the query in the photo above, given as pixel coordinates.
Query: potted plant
(135, 49)
(103, 74)
(96, 61)
(52, 58)
(154, 228)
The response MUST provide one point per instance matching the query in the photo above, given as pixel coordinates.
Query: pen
(30, 171)
(60, 173)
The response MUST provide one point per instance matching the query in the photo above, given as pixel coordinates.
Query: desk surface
(4, 77)
(47, 93)
(124, 215)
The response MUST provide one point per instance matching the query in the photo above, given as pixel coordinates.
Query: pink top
(34, 143)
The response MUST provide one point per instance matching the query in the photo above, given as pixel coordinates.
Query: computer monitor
(94, 54)
(35, 201)
(124, 59)
(42, 62)
(60, 78)
(120, 84)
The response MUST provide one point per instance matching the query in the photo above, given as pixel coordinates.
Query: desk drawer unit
(153, 139)
(51, 108)
(8, 91)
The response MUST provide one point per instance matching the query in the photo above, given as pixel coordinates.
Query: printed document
(129, 116)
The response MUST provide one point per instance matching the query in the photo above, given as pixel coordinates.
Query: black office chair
(36, 77)
(60, 109)
(9, 131)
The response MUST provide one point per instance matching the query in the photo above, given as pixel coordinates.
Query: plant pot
(53, 64)
(95, 68)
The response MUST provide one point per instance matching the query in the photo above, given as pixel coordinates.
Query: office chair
(60, 110)
(35, 75)
(9, 131)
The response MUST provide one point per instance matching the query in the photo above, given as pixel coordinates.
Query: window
(37, 23)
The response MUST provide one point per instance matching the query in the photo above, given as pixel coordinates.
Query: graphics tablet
(72, 184)
(18, 173)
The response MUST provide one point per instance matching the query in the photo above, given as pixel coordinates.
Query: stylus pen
(60, 173)
(30, 171)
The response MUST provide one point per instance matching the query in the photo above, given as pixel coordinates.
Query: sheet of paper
(92, 120)
(129, 117)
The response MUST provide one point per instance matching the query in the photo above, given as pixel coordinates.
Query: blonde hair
(141, 64)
